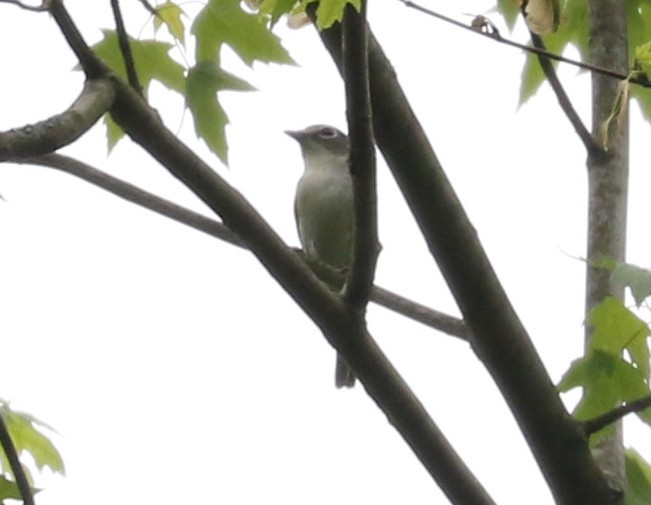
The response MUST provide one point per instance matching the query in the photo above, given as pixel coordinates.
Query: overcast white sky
(173, 366)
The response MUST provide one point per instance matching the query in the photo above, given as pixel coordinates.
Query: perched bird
(324, 207)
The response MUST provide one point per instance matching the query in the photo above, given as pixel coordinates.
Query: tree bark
(607, 187)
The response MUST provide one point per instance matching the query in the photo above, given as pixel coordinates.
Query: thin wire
(482, 26)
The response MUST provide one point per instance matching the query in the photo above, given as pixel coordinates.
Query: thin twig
(429, 317)
(149, 8)
(125, 47)
(598, 423)
(16, 468)
(92, 65)
(550, 73)
(34, 8)
(441, 321)
(493, 34)
(136, 195)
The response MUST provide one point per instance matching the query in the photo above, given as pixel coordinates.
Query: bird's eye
(328, 133)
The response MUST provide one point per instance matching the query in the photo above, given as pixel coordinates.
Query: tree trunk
(608, 187)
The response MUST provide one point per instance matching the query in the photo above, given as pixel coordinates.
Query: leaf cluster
(616, 366)
(27, 435)
(573, 30)
(220, 23)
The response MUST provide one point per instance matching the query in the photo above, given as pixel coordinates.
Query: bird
(323, 207)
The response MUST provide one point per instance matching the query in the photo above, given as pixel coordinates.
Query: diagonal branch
(446, 323)
(591, 145)
(493, 34)
(93, 67)
(136, 195)
(9, 449)
(362, 157)
(339, 325)
(437, 320)
(60, 130)
(150, 8)
(498, 336)
(34, 8)
(125, 47)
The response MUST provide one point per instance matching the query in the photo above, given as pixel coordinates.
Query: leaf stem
(16, 468)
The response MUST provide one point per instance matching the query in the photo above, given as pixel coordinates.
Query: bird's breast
(324, 215)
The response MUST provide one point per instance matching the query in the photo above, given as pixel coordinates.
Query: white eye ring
(328, 133)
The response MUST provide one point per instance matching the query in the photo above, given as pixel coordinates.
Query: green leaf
(151, 59)
(225, 22)
(8, 489)
(169, 14)
(638, 20)
(531, 79)
(330, 12)
(113, 132)
(638, 479)
(204, 81)
(614, 326)
(152, 62)
(637, 279)
(603, 262)
(277, 8)
(607, 380)
(25, 436)
(510, 10)
(639, 27)
(643, 53)
(593, 373)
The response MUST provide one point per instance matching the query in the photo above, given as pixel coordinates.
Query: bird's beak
(296, 135)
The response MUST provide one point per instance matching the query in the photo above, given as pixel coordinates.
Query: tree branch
(362, 157)
(589, 142)
(600, 422)
(498, 337)
(125, 48)
(38, 8)
(494, 34)
(340, 325)
(149, 8)
(93, 66)
(62, 129)
(445, 323)
(429, 317)
(16, 468)
(135, 195)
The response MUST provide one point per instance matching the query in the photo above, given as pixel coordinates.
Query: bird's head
(321, 141)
